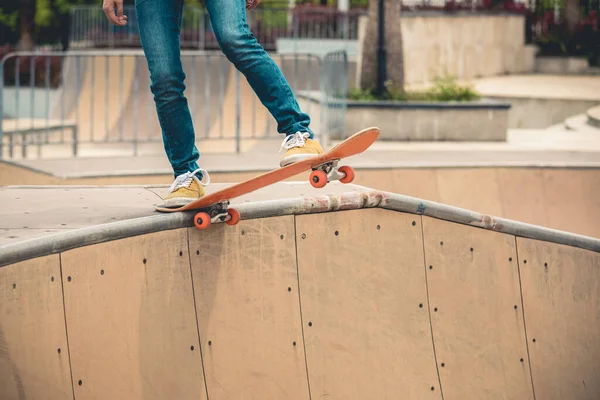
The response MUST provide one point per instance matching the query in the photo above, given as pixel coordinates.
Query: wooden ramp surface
(358, 304)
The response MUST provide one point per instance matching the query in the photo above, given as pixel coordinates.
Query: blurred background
(559, 27)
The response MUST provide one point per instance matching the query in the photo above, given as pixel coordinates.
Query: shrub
(443, 89)
(556, 40)
(448, 89)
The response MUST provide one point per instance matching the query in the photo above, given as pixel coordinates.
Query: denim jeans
(159, 23)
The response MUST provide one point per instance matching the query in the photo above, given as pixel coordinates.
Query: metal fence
(334, 89)
(103, 97)
(91, 29)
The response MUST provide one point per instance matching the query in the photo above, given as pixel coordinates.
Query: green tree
(28, 17)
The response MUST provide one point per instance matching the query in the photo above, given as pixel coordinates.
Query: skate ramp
(553, 197)
(210, 94)
(95, 103)
(108, 96)
(346, 293)
(254, 119)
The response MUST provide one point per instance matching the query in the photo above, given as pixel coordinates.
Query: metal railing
(90, 28)
(103, 97)
(334, 90)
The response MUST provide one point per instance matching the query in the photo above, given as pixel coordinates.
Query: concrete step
(593, 71)
(580, 123)
(593, 116)
(556, 128)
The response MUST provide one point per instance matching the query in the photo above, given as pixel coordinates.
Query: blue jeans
(159, 23)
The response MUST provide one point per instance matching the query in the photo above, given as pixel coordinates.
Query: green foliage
(584, 42)
(49, 22)
(444, 89)
(550, 4)
(9, 18)
(194, 3)
(43, 13)
(46, 11)
(448, 89)
(64, 6)
(555, 42)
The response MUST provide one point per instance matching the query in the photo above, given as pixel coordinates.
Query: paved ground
(593, 115)
(572, 87)
(32, 212)
(551, 147)
(541, 86)
(558, 198)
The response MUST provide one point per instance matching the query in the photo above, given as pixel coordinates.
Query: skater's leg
(228, 18)
(159, 23)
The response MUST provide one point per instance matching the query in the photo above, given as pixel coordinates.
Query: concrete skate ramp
(105, 84)
(109, 98)
(211, 86)
(122, 107)
(208, 89)
(557, 198)
(344, 293)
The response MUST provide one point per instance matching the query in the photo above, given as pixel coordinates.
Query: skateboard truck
(327, 172)
(321, 175)
(218, 212)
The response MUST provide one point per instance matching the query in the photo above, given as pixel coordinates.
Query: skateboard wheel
(318, 179)
(202, 220)
(349, 172)
(234, 216)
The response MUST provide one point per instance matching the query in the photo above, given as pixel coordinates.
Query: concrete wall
(431, 123)
(561, 65)
(532, 113)
(478, 121)
(466, 46)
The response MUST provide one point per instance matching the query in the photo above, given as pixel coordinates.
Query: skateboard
(214, 207)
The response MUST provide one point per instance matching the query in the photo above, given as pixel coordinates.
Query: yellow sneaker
(186, 188)
(299, 147)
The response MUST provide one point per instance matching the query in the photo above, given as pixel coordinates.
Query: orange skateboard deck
(215, 206)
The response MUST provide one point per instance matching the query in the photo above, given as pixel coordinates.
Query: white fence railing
(88, 97)
(91, 29)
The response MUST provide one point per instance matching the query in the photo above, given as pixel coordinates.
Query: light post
(381, 52)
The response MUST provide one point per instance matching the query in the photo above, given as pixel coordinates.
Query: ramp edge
(352, 200)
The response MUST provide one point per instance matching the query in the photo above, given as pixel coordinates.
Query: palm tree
(391, 53)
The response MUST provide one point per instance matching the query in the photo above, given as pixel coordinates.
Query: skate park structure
(385, 290)
(345, 293)
(104, 100)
